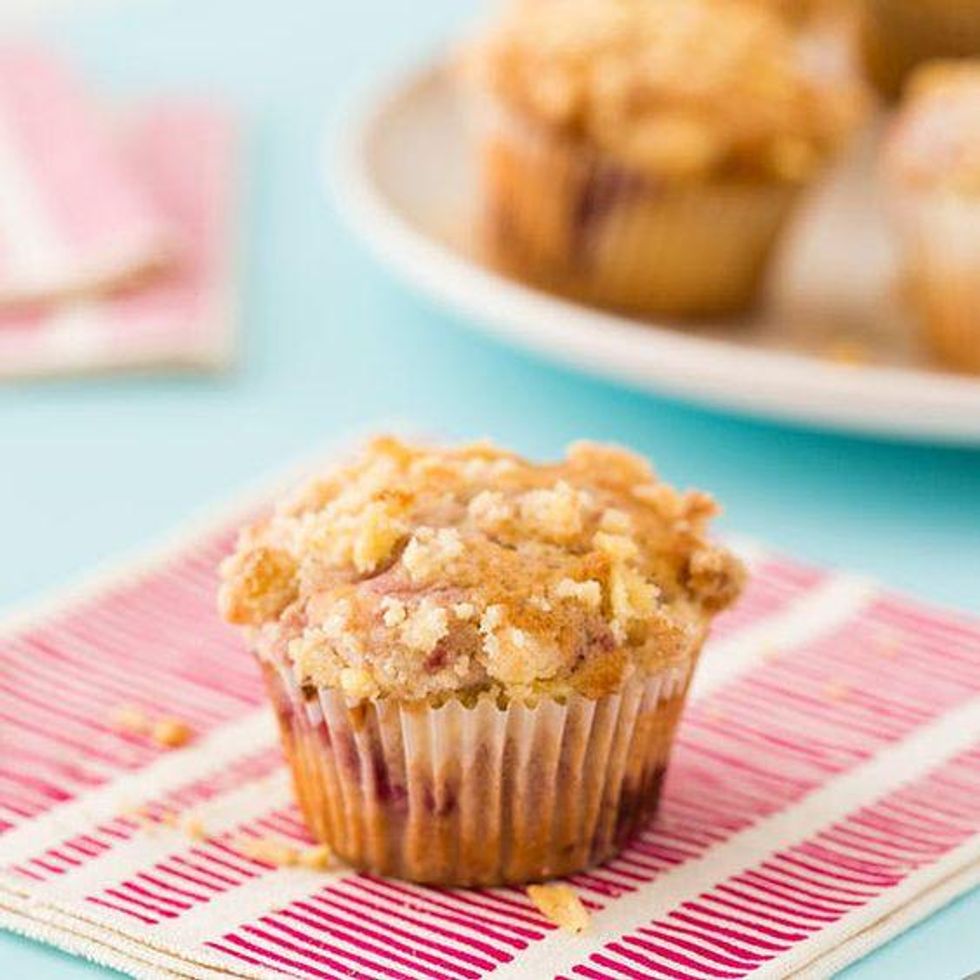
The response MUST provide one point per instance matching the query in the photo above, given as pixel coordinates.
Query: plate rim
(782, 386)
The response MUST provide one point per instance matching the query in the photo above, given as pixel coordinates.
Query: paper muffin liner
(478, 795)
(941, 253)
(578, 223)
(899, 35)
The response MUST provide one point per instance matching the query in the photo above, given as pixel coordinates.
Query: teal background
(93, 468)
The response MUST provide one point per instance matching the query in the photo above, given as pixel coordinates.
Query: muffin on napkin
(478, 663)
(932, 169)
(646, 155)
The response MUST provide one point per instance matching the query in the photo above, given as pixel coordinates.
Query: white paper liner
(478, 795)
(578, 223)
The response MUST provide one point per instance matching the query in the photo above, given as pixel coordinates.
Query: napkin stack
(824, 794)
(116, 234)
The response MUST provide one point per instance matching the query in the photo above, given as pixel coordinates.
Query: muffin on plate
(478, 662)
(646, 155)
(899, 35)
(932, 167)
(803, 12)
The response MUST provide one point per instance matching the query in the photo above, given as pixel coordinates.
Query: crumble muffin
(647, 155)
(478, 663)
(932, 166)
(804, 12)
(900, 35)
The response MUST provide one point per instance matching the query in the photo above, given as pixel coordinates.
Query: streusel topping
(935, 141)
(677, 89)
(417, 572)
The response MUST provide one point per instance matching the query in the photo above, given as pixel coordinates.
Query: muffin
(802, 12)
(646, 155)
(899, 35)
(478, 663)
(932, 169)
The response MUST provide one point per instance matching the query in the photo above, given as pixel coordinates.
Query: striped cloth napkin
(187, 156)
(824, 794)
(117, 248)
(74, 216)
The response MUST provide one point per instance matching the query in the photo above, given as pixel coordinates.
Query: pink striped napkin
(824, 794)
(187, 158)
(74, 218)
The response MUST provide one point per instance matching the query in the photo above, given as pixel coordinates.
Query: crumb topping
(430, 551)
(417, 573)
(935, 140)
(677, 89)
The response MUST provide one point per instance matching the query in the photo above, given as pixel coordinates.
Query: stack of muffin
(648, 155)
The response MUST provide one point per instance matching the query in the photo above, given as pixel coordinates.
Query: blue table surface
(93, 468)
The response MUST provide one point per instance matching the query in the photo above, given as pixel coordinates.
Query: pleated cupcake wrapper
(901, 34)
(941, 244)
(579, 223)
(478, 795)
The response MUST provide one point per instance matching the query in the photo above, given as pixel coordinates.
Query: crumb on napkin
(194, 828)
(129, 718)
(143, 818)
(166, 731)
(281, 854)
(561, 905)
(317, 858)
(150, 818)
(171, 733)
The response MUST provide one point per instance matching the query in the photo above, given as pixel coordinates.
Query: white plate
(407, 185)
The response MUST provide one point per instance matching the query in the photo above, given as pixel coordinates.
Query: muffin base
(582, 225)
(480, 795)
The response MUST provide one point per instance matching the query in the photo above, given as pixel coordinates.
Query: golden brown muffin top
(417, 572)
(935, 140)
(676, 89)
